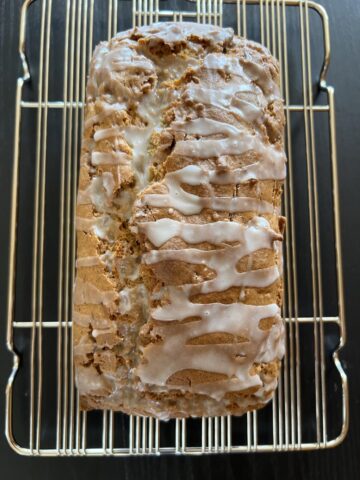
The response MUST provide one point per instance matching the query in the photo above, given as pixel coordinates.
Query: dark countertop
(340, 463)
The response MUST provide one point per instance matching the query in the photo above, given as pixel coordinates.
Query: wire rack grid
(310, 408)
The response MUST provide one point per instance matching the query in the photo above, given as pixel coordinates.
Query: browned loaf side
(178, 286)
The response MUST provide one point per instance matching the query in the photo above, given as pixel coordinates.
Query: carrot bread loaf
(178, 287)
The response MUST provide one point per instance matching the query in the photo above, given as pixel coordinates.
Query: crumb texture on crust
(179, 262)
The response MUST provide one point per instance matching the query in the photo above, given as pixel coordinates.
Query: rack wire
(310, 408)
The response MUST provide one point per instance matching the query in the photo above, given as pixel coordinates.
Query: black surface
(342, 462)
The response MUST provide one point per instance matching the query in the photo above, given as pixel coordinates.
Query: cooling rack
(310, 408)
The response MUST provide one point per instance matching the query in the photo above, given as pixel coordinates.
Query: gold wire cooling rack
(310, 408)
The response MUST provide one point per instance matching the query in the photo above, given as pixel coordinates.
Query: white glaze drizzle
(85, 320)
(123, 57)
(110, 329)
(104, 133)
(231, 97)
(190, 204)
(138, 138)
(107, 259)
(87, 293)
(89, 381)
(151, 106)
(129, 298)
(233, 360)
(88, 261)
(248, 71)
(224, 261)
(125, 303)
(236, 142)
(104, 226)
(99, 192)
(107, 109)
(173, 354)
(162, 230)
(110, 158)
(128, 267)
(255, 71)
(111, 67)
(231, 65)
(172, 33)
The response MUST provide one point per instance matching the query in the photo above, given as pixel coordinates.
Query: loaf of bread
(178, 286)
